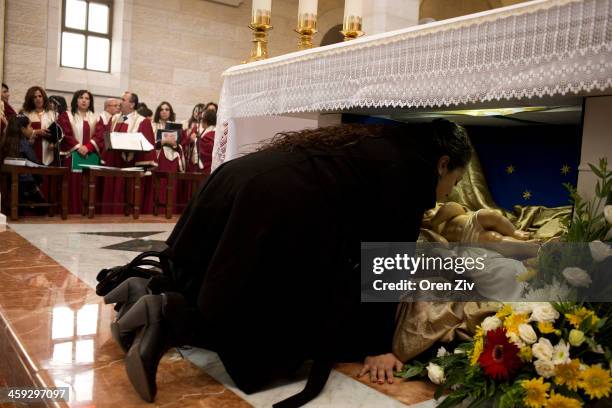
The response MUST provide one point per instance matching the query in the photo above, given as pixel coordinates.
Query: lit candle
(307, 7)
(262, 9)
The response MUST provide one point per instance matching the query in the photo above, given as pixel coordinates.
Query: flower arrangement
(528, 355)
(541, 354)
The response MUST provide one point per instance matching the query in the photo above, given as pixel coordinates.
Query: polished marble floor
(80, 250)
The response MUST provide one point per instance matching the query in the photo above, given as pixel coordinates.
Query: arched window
(86, 34)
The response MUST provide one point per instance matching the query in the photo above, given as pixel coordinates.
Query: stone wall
(443, 9)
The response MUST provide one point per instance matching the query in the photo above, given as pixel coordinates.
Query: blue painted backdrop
(523, 165)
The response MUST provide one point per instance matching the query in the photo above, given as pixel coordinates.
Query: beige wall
(173, 50)
(443, 9)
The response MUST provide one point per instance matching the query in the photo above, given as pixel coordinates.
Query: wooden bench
(172, 180)
(132, 196)
(53, 173)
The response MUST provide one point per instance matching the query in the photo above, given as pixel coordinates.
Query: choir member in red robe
(36, 108)
(195, 130)
(8, 109)
(81, 141)
(129, 121)
(170, 157)
(207, 140)
(103, 126)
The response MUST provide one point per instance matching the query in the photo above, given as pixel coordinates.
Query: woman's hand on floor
(381, 367)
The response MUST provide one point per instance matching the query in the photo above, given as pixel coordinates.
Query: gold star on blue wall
(565, 169)
(510, 169)
(526, 195)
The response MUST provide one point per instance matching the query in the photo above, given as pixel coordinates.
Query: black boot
(152, 314)
(125, 296)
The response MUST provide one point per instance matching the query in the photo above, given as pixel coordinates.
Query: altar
(543, 62)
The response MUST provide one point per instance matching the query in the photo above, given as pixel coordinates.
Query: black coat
(269, 249)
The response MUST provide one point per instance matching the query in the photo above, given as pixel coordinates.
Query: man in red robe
(129, 121)
(104, 126)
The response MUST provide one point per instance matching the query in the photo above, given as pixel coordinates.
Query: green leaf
(597, 171)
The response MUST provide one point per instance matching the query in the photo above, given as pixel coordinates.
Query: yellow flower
(596, 382)
(559, 401)
(513, 322)
(546, 327)
(568, 374)
(505, 311)
(476, 351)
(525, 354)
(536, 392)
(581, 315)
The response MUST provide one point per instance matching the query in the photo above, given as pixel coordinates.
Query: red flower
(499, 358)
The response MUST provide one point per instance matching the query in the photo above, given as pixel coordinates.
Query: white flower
(459, 351)
(608, 213)
(543, 349)
(435, 373)
(600, 250)
(576, 337)
(561, 354)
(554, 292)
(528, 335)
(442, 352)
(598, 349)
(544, 312)
(545, 368)
(490, 323)
(577, 276)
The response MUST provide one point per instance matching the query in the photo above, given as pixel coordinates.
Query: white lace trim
(535, 49)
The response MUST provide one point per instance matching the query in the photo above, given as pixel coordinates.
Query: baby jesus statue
(450, 222)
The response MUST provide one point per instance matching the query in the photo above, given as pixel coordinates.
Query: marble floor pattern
(84, 249)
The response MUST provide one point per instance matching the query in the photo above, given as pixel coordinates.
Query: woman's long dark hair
(201, 107)
(28, 104)
(172, 117)
(74, 104)
(446, 137)
(9, 142)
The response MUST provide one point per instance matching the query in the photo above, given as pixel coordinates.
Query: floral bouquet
(579, 261)
(528, 355)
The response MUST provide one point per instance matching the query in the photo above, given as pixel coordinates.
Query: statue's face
(447, 179)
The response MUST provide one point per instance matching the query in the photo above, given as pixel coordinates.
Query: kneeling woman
(18, 142)
(266, 256)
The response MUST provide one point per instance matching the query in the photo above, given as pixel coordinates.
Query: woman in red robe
(81, 141)
(170, 157)
(36, 108)
(195, 130)
(207, 140)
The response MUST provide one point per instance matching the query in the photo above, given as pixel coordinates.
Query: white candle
(353, 8)
(262, 5)
(308, 7)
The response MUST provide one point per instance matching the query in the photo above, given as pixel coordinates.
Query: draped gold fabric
(421, 324)
(424, 323)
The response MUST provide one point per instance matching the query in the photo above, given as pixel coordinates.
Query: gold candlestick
(351, 28)
(307, 27)
(260, 24)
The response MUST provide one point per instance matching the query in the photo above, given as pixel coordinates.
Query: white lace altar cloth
(535, 49)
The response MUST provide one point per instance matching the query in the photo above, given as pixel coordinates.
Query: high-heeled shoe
(125, 296)
(151, 314)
